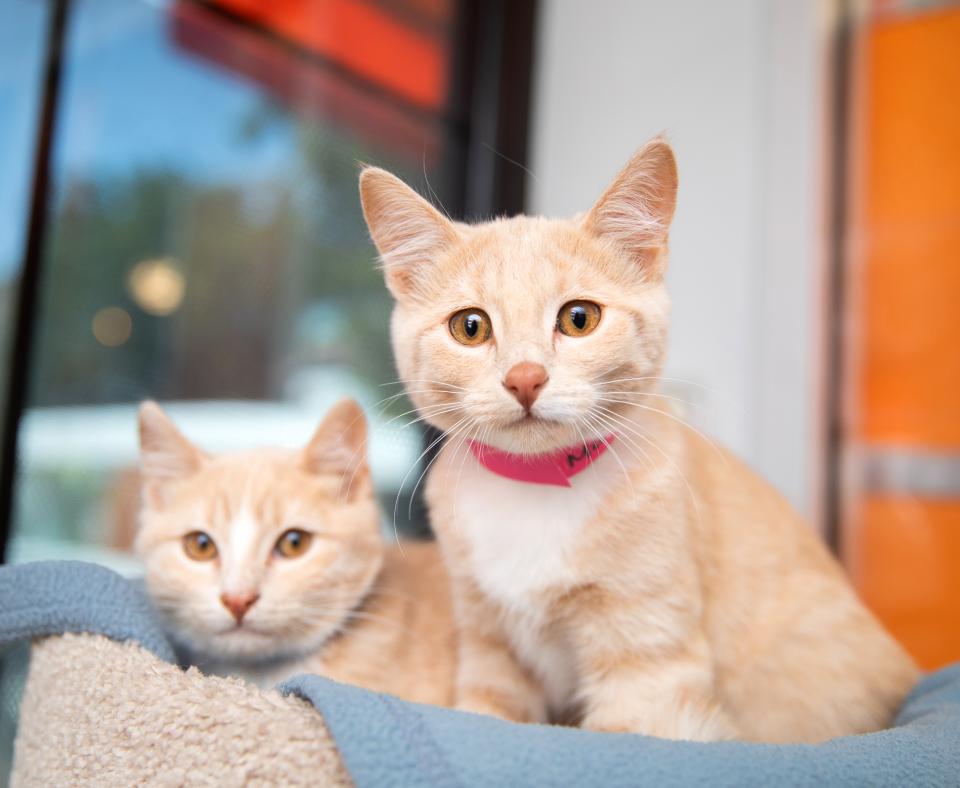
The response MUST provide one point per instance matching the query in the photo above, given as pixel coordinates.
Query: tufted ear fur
(636, 209)
(166, 456)
(406, 229)
(339, 448)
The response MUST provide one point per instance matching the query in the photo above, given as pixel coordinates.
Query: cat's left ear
(166, 456)
(407, 230)
(636, 209)
(339, 448)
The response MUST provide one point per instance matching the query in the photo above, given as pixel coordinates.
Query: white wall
(737, 86)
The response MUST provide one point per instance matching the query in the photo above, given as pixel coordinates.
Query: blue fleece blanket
(388, 742)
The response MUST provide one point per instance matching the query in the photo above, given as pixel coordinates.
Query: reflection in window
(207, 248)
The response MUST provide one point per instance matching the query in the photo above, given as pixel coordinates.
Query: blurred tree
(279, 276)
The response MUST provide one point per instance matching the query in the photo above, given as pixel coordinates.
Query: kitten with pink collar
(609, 564)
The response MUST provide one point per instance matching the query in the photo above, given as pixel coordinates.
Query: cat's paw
(478, 706)
(684, 724)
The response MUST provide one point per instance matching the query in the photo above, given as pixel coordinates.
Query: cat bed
(105, 704)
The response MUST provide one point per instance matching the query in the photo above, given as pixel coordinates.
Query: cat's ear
(406, 229)
(339, 448)
(166, 456)
(636, 209)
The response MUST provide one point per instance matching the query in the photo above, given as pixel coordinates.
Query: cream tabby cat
(271, 562)
(657, 586)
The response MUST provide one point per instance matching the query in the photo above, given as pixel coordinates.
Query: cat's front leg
(665, 691)
(490, 679)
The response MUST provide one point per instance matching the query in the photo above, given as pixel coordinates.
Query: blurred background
(178, 187)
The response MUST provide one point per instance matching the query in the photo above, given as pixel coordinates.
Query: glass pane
(207, 249)
(23, 27)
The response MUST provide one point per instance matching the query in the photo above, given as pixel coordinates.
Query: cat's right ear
(338, 449)
(166, 456)
(406, 229)
(636, 209)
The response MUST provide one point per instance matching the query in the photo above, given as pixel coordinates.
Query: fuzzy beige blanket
(98, 712)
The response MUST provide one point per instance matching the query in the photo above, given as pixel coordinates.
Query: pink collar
(554, 468)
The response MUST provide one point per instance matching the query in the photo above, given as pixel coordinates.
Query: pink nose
(239, 604)
(525, 381)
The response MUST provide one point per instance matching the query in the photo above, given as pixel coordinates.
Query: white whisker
(669, 415)
(656, 394)
(659, 378)
(633, 447)
(464, 430)
(624, 425)
(406, 476)
(425, 380)
(434, 410)
(456, 488)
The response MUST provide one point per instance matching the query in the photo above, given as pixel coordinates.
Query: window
(203, 243)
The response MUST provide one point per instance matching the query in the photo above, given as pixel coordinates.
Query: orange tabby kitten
(271, 563)
(607, 561)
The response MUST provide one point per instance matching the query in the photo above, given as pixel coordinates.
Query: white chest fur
(523, 542)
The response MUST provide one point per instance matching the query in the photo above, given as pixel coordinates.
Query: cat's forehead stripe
(221, 506)
(243, 542)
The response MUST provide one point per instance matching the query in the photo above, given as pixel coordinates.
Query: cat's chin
(535, 435)
(249, 646)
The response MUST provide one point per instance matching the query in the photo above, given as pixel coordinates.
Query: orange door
(901, 532)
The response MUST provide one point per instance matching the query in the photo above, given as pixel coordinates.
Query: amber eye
(578, 318)
(293, 543)
(199, 546)
(470, 326)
